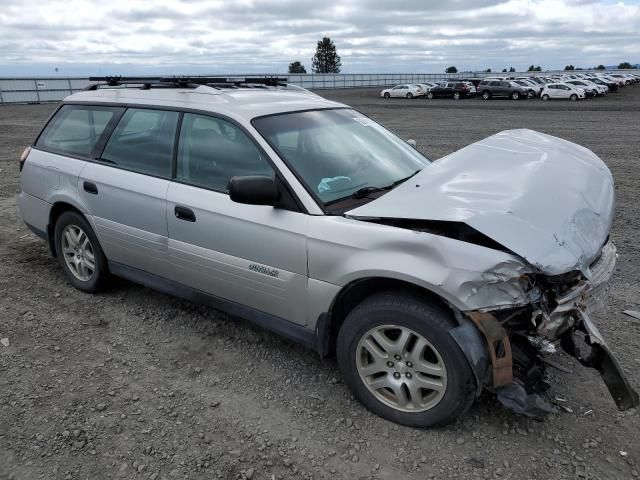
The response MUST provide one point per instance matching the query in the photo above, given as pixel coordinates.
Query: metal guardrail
(52, 89)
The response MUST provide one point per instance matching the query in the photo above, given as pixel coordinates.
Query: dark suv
(455, 90)
(502, 88)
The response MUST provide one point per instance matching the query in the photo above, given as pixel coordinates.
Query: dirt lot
(135, 384)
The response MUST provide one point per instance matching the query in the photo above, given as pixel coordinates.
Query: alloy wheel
(78, 252)
(401, 368)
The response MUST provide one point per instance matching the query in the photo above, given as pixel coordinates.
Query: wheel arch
(354, 293)
(57, 209)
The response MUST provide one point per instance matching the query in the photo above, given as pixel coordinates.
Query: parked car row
(574, 86)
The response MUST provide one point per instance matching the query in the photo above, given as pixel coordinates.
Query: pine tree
(326, 58)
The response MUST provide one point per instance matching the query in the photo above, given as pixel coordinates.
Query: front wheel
(456, 96)
(387, 95)
(430, 95)
(409, 95)
(79, 252)
(573, 97)
(515, 96)
(395, 353)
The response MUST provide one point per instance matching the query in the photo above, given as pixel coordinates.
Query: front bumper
(563, 320)
(570, 322)
(586, 296)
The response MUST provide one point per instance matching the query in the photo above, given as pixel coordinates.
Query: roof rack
(186, 82)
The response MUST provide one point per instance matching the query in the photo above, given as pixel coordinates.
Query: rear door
(61, 152)
(449, 89)
(126, 188)
(494, 87)
(253, 255)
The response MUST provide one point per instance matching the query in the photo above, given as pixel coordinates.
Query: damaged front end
(518, 338)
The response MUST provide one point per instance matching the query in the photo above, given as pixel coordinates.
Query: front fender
(468, 276)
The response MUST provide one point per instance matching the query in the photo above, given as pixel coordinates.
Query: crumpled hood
(548, 200)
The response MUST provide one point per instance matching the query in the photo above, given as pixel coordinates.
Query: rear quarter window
(76, 129)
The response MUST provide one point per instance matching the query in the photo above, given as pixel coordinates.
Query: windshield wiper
(364, 191)
(402, 180)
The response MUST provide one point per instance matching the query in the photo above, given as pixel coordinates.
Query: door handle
(184, 213)
(90, 187)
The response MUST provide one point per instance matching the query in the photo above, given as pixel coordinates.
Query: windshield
(337, 153)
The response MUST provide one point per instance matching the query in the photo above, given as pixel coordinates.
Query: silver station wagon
(430, 281)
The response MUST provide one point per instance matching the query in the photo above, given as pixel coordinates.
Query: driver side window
(212, 150)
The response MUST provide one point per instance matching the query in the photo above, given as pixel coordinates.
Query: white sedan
(562, 91)
(406, 90)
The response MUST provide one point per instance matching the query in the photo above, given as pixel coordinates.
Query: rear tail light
(24, 156)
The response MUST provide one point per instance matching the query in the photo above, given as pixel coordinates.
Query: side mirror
(412, 142)
(254, 190)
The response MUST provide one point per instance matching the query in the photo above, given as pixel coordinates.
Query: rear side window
(212, 150)
(143, 142)
(76, 129)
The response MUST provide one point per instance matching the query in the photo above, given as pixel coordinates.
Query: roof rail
(185, 82)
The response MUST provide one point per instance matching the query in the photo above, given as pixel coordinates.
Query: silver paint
(548, 200)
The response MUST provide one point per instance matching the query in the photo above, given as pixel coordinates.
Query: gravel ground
(135, 384)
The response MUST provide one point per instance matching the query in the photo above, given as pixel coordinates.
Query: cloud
(216, 36)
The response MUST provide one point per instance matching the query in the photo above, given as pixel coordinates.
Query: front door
(253, 255)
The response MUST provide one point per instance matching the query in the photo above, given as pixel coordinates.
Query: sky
(264, 36)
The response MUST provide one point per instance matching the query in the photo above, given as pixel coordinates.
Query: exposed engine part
(543, 344)
(528, 364)
(524, 395)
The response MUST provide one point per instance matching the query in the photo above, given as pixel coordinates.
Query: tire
(409, 95)
(486, 95)
(387, 95)
(573, 97)
(456, 96)
(515, 96)
(430, 95)
(425, 323)
(74, 234)
(545, 97)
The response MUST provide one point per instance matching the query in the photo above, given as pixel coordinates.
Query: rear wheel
(430, 95)
(409, 95)
(573, 97)
(486, 95)
(387, 95)
(456, 96)
(395, 353)
(79, 252)
(545, 97)
(515, 96)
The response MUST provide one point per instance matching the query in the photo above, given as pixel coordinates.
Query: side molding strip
(290, 330)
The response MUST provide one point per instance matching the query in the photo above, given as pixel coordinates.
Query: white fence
(36, 90)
